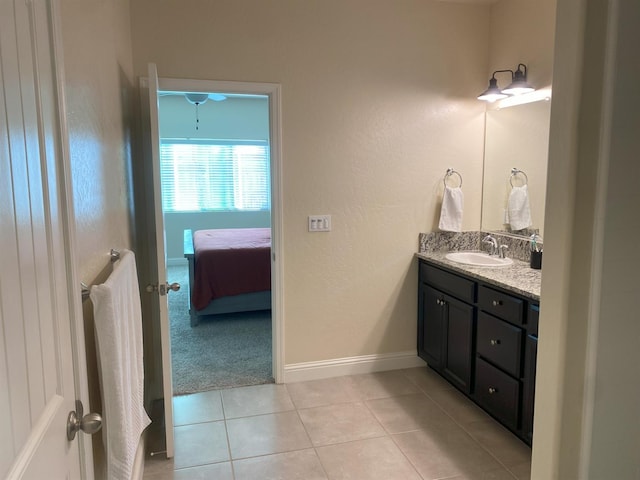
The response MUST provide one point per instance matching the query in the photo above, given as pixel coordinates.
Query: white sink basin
(478, 259)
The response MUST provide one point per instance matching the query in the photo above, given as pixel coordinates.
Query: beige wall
(523, 32)
(378, 99)
(99, 90)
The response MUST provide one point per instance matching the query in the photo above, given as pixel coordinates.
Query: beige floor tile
(522, 471)
(445, 452)
(266, 434)
(344, 422)
(371, 459)
(200, 444)
(299, 465)
(458, 407)
(426, 379)
(498, 474)
(317, 393)
(383, 385)
(197, 408)
(256, 400)
(506, 447)
(217, 471)
(409, 412)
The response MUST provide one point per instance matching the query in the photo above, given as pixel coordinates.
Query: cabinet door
(458, 356)
(430, 325)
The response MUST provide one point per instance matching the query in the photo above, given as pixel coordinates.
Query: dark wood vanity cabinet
(483, 340)
(446, 325)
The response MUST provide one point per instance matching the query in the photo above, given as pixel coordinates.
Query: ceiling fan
(197, 99)
(200, 98)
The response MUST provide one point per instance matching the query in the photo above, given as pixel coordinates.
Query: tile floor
(402, 424)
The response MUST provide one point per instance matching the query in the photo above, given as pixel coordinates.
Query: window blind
(214, 175)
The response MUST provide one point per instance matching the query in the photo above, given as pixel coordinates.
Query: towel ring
(514, 172)
(451, 171)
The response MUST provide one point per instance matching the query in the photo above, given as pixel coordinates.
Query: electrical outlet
(319, 223)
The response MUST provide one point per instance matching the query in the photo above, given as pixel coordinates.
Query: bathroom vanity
(478, 328)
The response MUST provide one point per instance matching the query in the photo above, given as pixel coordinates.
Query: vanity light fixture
(494, 93)
(518, 85)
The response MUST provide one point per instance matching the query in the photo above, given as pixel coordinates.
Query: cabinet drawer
(500, 343)
(501, 305)
(498, 393)
(459, 287)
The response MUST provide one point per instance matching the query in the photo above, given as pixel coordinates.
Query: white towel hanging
(518, 209)
(451, 210)
(118, 330)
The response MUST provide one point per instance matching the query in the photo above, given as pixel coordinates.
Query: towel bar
(515, 171)
(451, 171)
(114, 255)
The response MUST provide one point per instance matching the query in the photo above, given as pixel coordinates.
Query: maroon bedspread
(230, 262)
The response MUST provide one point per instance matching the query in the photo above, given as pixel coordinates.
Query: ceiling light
(197, 98)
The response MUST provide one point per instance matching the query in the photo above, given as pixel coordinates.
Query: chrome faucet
(493, 244)
(501, 250)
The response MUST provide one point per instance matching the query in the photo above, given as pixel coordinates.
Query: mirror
(515, 137)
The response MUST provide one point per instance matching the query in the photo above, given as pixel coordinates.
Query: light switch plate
(319, 223)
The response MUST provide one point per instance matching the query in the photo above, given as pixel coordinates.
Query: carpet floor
(229, 350)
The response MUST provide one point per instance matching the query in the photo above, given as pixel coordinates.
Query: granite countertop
(519, 278)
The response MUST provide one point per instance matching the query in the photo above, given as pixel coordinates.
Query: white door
(160, 259)
(38, 299)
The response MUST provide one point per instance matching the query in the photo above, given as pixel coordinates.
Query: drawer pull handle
(495, 342)
(496, 303)
(492, 390)
(442, 303)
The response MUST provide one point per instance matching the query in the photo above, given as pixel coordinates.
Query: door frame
(272, 90)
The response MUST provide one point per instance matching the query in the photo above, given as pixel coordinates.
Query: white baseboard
(300, 372)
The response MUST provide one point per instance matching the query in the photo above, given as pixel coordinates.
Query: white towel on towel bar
(118, 328)
(518, 209)
(451, 211)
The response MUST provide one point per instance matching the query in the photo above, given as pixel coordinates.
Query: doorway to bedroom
(215, 168)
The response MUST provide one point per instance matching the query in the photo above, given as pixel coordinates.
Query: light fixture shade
(519, 84)
(196, 98)
(492, 93)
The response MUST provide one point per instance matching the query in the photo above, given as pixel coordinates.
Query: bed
(229, 270)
